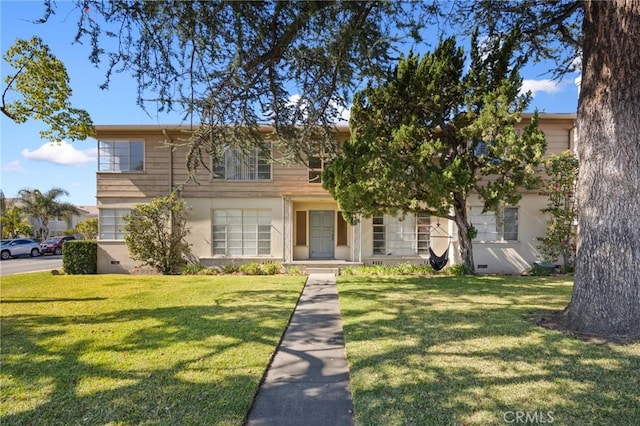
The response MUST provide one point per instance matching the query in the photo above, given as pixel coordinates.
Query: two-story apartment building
(255, 210)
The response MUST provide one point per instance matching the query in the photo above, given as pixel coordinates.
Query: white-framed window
(501, 225)
(111, 223)
(379, 236)
(401, 236)
(423, 232)
(120, 156)
(237, 232)
(239, 164)
(316, 166)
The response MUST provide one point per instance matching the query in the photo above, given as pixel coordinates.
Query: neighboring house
(254, 210)
(59, 227)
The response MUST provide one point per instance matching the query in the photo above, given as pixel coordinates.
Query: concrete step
(334, 271)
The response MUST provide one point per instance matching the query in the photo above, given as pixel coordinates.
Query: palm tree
(44, 206)
(13, 223)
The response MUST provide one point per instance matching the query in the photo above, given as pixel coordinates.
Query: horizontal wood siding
(286, 179)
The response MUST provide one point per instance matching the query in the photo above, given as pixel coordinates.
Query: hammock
(438, 262)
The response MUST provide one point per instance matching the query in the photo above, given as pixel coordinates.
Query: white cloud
(536, 86)
(60, 153)
(13, 167)
(345, 114)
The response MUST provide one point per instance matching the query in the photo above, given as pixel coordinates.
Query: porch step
(334, 271)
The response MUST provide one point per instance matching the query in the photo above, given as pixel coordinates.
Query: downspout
(170, 143)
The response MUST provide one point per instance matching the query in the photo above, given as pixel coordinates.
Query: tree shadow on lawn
(171, 365)
(462, 351)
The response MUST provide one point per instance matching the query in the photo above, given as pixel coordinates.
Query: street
(30, 264)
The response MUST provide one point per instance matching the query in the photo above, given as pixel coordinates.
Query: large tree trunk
(606, 294)
(464, 238)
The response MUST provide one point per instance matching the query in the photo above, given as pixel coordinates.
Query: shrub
(270, 268)
(294, 270)
(560, 239)
(458, 270)
(87, 229)
(542, 269)
(80, 257)
(250, 269)
(230, 269)
(156, 233)
(378, 270)
(198, 269)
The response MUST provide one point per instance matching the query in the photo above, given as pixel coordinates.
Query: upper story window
(501, 225)
(239, 164)
(121, 156)
(316, 165)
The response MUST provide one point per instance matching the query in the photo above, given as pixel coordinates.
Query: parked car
(54, 244)
(19, 247)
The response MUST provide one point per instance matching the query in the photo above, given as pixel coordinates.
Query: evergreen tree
(432, 135)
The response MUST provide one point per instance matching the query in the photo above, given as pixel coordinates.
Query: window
(239, 164)
(241, 232)
(316, 165)
(401, 236)
(501, 225)
(301, 228)
(318, 160)
(111, 223)
(379, 235)
(484, 149)
(120, 156)
(423, 232)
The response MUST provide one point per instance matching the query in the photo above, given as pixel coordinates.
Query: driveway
(30, 264)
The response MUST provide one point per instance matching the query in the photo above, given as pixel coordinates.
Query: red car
(53, 245)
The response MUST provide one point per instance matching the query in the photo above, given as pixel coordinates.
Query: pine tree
(426, 139)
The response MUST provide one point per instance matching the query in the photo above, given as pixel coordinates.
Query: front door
(321, 230)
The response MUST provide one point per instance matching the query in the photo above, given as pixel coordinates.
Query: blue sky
(27, 161)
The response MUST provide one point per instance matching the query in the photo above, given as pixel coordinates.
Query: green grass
(444, 350)
(152, 350)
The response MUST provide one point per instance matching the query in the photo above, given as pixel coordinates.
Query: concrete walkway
(308, 380)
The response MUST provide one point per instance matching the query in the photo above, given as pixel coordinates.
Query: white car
(19, 247)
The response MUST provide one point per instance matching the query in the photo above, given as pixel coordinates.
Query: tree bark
(606, 294)
(464, 239)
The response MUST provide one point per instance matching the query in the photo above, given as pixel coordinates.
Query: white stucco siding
(200, 224)
(513, 257)
(113, 255)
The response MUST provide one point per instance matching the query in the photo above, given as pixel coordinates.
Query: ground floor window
(111, 223)
(401, 236)
(499, 225)
(238, 232)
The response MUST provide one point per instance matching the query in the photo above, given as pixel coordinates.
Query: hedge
(80, 257)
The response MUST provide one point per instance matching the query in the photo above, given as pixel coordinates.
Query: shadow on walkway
(308, 379)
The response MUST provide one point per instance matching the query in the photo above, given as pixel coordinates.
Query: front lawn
(445, 350)
(116, 349)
